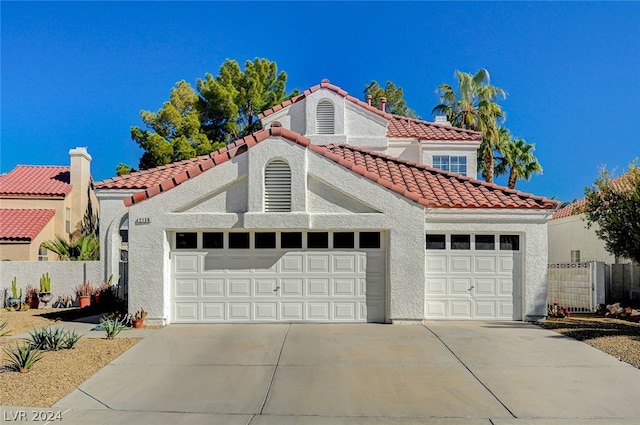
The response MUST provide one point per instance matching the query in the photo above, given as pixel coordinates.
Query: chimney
(80, 179)
(442, 120)
(369, 99)
(383, 104)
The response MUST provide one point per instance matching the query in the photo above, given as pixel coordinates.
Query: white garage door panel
(473, 284)
(277, 286)
(186, 287)
(187, 264)
(460, 309)
(436, 309)
(213, 311)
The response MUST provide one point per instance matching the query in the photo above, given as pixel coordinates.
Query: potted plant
(31, 297)
(45, 289)
(16, 298)
(84, 292)
(102, 291)
(138, 318)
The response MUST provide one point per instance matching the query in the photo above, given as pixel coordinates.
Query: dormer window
(277, 186)
(454, 164)
(325, 117)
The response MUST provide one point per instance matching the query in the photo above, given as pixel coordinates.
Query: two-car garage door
(278, 276)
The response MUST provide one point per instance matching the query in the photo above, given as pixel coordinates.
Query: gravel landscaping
(58, 372)
(616, 337)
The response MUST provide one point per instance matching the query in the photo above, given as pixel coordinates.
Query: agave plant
(71, 339)
(113, 326)
(3, 324)
(50, 339)
(22, 358)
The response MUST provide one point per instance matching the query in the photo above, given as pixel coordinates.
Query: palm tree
(85, 248)
(474, 107)
(518, 158)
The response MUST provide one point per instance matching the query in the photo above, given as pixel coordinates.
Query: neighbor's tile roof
(23, 224)
(620, 183)
(399, 126)
(573, 208)
(36, 180)
(427, 186)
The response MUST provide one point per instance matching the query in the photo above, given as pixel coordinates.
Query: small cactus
(14, 288)
(45, 283)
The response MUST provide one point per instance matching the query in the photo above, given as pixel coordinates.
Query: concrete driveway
(441, 373)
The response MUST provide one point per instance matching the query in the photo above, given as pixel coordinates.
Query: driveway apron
(440, 373)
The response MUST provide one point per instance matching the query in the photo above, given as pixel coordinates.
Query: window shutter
(277, 187)
(325, 117)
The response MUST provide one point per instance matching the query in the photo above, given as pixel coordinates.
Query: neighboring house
(280, 226)
(38, 202)
(571, 242)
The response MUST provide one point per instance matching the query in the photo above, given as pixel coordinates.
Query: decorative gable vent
(325, 117)
(277, 186)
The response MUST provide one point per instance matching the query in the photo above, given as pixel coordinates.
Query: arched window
(277, 186)
(325, 117)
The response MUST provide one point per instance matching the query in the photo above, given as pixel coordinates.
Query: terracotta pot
(96, 298)
(84, 301)
(137, 323)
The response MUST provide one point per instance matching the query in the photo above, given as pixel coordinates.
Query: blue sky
(79, 73)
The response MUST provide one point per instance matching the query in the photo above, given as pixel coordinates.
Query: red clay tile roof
(23, 224)
(399, 127)
(427, 186)
(403, 127)
(571, 209)
(36, 180)
(620, 183)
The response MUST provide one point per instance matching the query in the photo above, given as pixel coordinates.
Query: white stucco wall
(571, 234)
(531, 225)
(311, 106)
(430, 149)
(410, 151)
(149, 263)
(112, 214)
(364, 128)
(292, 117)
(65, 275)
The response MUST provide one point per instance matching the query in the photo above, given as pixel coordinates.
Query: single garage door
(278, 277)
(473, 276)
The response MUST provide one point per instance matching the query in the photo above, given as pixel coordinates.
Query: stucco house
(332, 212)
(38, 202)
(571, 242)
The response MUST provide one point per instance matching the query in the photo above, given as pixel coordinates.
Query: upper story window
(455, 164)
(277, 186)
(575, 256)
(325, 117)
(43, 254)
